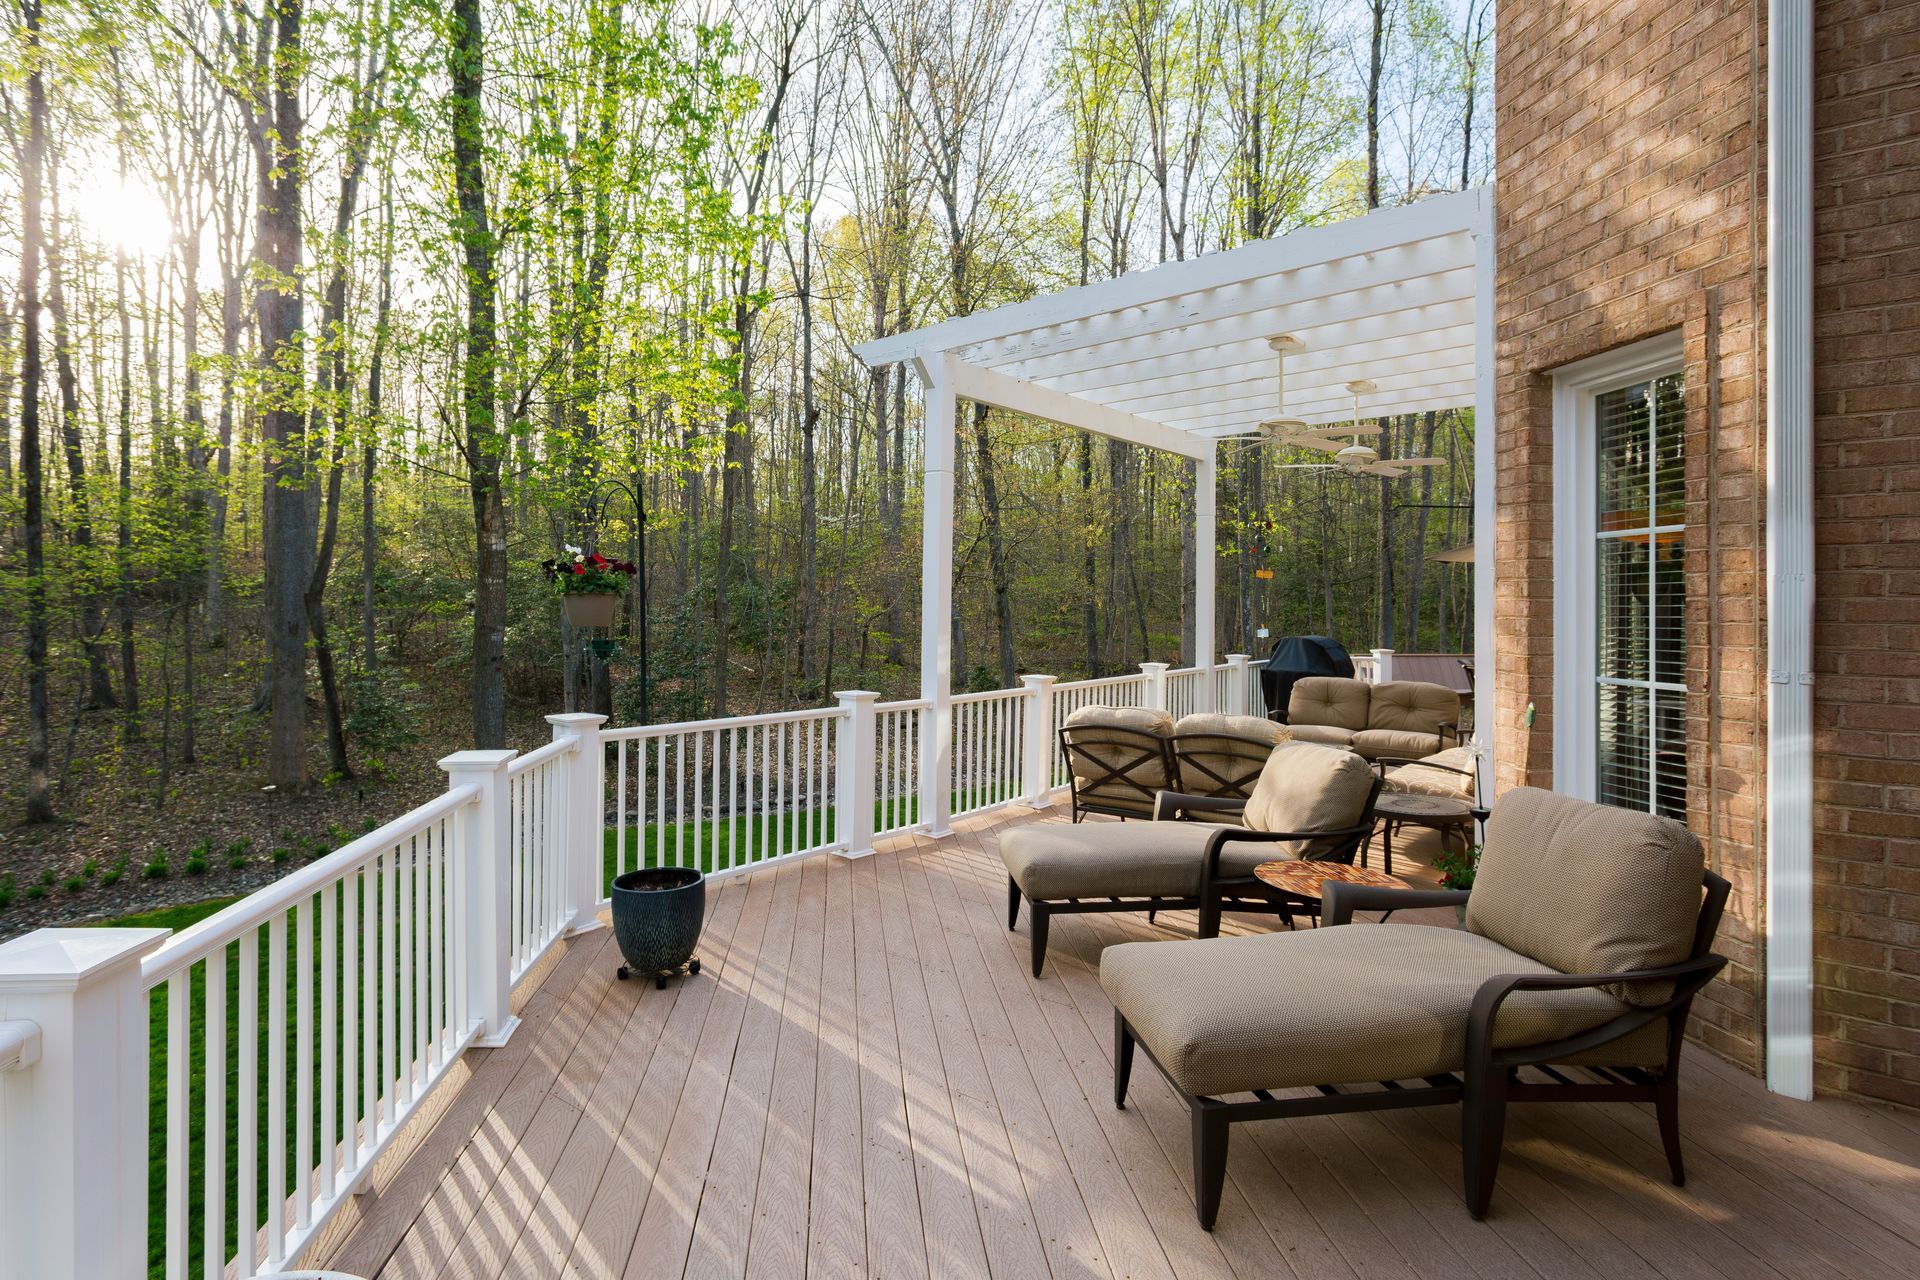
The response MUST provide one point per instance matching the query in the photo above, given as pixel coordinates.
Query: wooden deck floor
(866, 1082)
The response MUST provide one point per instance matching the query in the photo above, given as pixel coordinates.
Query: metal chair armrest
(1340, 899)
(1173, 805)
(1688, 977)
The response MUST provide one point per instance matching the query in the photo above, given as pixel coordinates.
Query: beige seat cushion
(1309, 788)
(1326, 735)
(1412, 705)
(1588, 888)
(1406, 744)
(1329, 700)
(1090, 733)
(1327, 1006)
(1424, 780)
(1055, 860)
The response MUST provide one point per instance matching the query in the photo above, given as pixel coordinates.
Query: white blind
(1640, 672)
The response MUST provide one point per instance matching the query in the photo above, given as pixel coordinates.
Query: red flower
(599, 561)
(579, 569)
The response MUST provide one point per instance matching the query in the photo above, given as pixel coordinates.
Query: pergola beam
(1380, 230)
(1095, 367)
(984, 386)
(1449, 364)
(1252, 364)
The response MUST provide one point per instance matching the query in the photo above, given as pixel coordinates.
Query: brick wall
(1867, 543)
(1631, 202)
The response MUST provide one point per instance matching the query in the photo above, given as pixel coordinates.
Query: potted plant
(1457, 869)
(589, 585)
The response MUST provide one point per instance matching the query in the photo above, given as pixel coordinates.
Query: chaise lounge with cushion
(1587, 934)
(1309, 802)
(1406, 719)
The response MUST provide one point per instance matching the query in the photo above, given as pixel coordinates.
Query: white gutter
(1789, 443)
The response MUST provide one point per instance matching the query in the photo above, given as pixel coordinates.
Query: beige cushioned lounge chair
(1586, 936)
(1310, 802)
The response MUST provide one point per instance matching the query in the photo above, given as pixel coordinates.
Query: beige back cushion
(1121, 751)
(1218, 754)
(1588, 888)
(1258, 728)
(1329, 700)
(1413, 706)
(1310, 788)
(1421, 780)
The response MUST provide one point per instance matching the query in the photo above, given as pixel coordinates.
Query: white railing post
(1239, 685)
(73, 1124)
(1382, 665)
(486, 836)
(1039, 740)
(856, 787)
(585, 808)
(1155, 695)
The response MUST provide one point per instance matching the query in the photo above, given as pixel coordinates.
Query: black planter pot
(657, 914)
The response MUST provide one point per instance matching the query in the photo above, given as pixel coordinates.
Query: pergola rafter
(1175, 358)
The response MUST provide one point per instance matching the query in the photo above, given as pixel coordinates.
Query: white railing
(538, 808)
(896, 766)
(724, 795)
(335, 1000)
(299, 1027)
(989, 746)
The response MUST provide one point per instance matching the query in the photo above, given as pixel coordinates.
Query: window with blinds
(1639, 562)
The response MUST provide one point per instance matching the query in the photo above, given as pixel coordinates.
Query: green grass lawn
(712, 846)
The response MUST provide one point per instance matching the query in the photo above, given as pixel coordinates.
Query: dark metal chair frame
(1146, 748)
(1216, 894)
(1491, 1078)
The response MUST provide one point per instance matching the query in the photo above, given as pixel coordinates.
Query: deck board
(867, 1081)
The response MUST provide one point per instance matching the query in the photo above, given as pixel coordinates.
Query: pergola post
(939, 403)
(1205, 479)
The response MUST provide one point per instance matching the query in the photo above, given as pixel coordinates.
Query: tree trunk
(370, 456)
(1374, 59)
(129, 673)
(93, 621)
(1089, 557)
(32, 168)
(279, 316)
(999, 568)
(467, 64)
(1417, 558)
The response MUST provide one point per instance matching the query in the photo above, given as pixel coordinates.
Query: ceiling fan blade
(1312, 442)
(1390, 470)
(1418, 462)
(1305, 466)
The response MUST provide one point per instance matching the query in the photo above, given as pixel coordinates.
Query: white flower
(573, 551)
(579, 559)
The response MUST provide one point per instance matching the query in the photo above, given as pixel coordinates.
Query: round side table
(1300, 882)
(1400, 808)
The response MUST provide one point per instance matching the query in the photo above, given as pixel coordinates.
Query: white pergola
(1176, 357)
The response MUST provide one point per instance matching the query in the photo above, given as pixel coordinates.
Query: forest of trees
(323, 324)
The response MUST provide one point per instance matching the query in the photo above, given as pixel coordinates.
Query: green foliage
(1457, 870)
(35, 892)
(74, 884)
(6, 890)
(282, 854)
(113, 873)
(157, 868)
(383, 714)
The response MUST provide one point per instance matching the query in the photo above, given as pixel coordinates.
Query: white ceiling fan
(1351, 455)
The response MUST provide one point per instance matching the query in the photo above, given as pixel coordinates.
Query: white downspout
(1789, 444)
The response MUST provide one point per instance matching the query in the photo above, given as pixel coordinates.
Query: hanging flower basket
(590, 586)
(590, 609)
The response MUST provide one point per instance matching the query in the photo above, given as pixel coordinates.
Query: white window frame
(1576, 725)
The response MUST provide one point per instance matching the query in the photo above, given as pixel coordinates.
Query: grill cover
(1296, 656)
